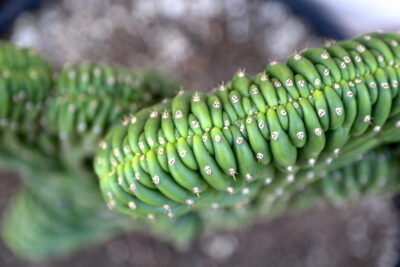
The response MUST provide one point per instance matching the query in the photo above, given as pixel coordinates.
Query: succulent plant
(88, 99)
(51, 124)
(25, 81)
(56, 215)
(320, 109)
(295, 134)
(371, 173)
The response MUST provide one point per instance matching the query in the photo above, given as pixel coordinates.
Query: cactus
(371, 174)
(44, 222)
(323, 106)
(65, 215)
(58, 211)
(90, 98)
(255, 146)
(25, 82)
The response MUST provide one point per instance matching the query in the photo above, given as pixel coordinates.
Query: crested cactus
(324, 106)
(255, 146)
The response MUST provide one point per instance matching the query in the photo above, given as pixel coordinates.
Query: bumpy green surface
(322, 107)
(59, 209)
(373, 173)
(255, 146)
(25, 83)
(68, 214)
(55, 216)
(89, 99)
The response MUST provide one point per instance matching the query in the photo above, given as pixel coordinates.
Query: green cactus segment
(54, 133)
(52, 221)
(374, 173)
(180, 230)
(48, 218)
(25, 83)
(286, 119)
(89, 99)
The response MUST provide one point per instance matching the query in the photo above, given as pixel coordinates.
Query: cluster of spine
(217, 149)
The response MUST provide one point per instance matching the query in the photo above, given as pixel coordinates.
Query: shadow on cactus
(296, 134)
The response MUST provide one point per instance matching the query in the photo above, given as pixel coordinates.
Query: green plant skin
(89, 99)
(25, 83)
(59, 190)
(58, 216)
(53, 221)
(374, 173)
(246, 150)
(320, 110)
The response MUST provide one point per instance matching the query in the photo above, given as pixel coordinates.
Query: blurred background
(202, 43)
